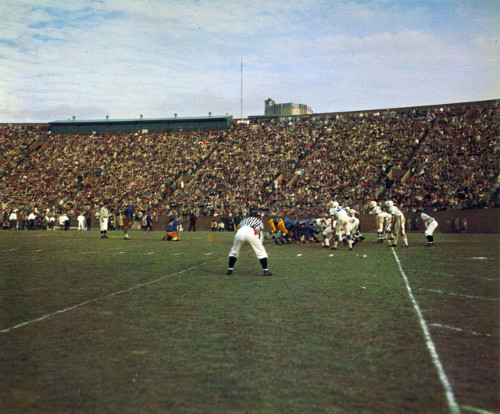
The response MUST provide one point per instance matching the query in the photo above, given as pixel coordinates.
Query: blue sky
(92, 58)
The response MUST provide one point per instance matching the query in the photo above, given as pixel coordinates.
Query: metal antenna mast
(241, 89)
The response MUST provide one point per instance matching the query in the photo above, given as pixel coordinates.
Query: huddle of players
(343, 225)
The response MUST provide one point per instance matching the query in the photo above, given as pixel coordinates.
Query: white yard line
(452, 328)
(450, 396)
(476, 410)
(441, 292)
(110, 295)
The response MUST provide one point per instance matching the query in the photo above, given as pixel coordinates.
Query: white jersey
(427, 219)
(104, 212)
(323, 222)
(395, 211)
(376, 210)
(339, 213)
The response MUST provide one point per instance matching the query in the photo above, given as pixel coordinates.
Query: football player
(339, 215)
(384, 221)
(399, 220)
(172, 232)
(430, 225)
(276, 224)
(354, 223)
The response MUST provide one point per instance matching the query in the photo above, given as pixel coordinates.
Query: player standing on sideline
(81, 221)
(13, 220)
(250, 231)
(103, 220)
(399, 221)
(149, 222)
(127, 223)
(430, 225)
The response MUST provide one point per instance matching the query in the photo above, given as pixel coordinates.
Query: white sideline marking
(450, 397)
(458, 294)
(150, 253)
(110, 295)
(476, 410)
(452, 328)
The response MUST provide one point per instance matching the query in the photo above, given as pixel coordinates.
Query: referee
(250, 231)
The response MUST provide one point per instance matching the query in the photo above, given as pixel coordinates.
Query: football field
(148, 326)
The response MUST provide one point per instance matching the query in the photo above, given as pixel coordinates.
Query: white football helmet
(347, 209)
(373, 204)
(389, 203)
(335, 203)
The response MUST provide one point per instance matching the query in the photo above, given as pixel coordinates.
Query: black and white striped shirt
(253, 222)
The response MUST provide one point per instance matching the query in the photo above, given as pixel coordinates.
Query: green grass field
(148, 326)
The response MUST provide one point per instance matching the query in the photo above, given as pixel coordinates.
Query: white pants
(354, 225)
(399, 226)
(245, 235)
(342, 226)
(104, 223)
(429, 231)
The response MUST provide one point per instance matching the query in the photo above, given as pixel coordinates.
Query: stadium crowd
(438, 157)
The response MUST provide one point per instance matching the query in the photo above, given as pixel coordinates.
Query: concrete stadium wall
(478, 221)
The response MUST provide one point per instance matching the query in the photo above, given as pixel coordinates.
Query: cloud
(164, 56)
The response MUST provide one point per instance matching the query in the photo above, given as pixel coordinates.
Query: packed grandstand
(439, 157)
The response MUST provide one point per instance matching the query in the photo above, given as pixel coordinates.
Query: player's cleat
(431, 244)
(404, 245)
(267, 273)
(229, 272)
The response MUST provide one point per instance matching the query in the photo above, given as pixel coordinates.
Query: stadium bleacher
(441, 157)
